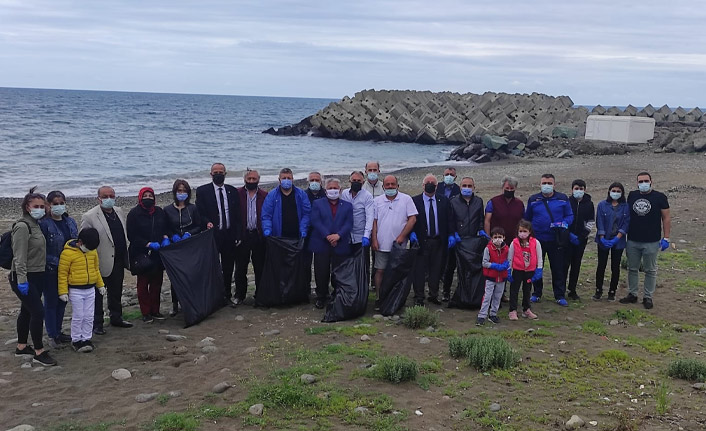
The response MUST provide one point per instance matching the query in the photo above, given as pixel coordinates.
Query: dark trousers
(226, 250)
(149, 287)
(114, 288)
(556, 261)
(572, 265)
(323, 268)
(615, 256)
(428, 266)
(252, 248)
(31, 317)
(520, 277)
(53, 307)
(449, 270)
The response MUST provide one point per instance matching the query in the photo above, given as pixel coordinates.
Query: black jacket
(466, 219)
(583, 212)
(143, 227)
(181, 221)
(441, 190)
(208, 209)
(442, 217)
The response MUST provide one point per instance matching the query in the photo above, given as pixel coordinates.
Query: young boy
(78, 278)
(495, 267)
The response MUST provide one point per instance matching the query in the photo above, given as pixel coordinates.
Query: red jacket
(243, 195)
(496, 256)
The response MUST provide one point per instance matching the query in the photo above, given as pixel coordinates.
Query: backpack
(6, 246)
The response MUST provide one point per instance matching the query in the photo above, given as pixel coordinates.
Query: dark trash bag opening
(397, 279)
(350, 295)
(471, 282)
(194, 270)
(283, 277)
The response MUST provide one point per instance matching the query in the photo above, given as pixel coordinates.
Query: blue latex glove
(663, 245)
(153, 245)
(497, 266)
(483, 234)
(506, 265)
(458, 237)
(186, 235)
(573, 239)
(165, 242)
(537, 275)
(605, 242)
(613, 241)
(267, 232)
(304, 234)
(23, 288)
(176, 237)
(413, 238)
(452, 241)
(509, 277)
(365, 242)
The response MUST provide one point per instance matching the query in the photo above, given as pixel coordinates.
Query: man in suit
(432, 230)
(109, 221)
(219, 206)
(332, 222)
(448, 188)
(252, 246)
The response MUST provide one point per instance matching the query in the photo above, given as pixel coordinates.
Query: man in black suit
(219, 206)
(432, 233)
(448, 188)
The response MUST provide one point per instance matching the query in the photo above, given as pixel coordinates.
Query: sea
(76, 141)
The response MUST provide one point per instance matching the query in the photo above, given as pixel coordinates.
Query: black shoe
(63, 338)
(446, 297)
(147, 319)
(77, 345)
(630, 299)
(121, 324)
(90, 343)
(44, 359)
(504, 298)
(99, 331)
(597, 296)
(647, 303)
(611, 296)
(377, 305)
(320, 303)
(28, 350)
(434, 300)
(480, 321)
(158, 316)
(494, 319)
(231, 303)
(573, 296)
(174, 312)
(238, 301)
(419, 303)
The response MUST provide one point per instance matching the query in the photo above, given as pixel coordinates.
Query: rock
(209, 349)
(518, 136)
(574, 423)
(364, 338)
(307, 379)
(174, 337)
(76, 411)
(424, 340)
(174, 394)
(640, 324)
(271, 332)
(11, 341)
(482, 159)
(37, 404)
(240, 318)
(163, 331)
(430, 329)
(530, 330)
(26, 365)
(157, 377)
(699, 386)
(181, 350)
(23, 427)
(37, 369)
(203, 359)
(702, 331)
(564, 132)
(495, 407)
(249, 350)
(4, 382)
(208, 341)
(121, 374)
(361, 410)
(221, 387)
(377, 316)
(418, 412)
(614, 322)
(700, 144)
(593, 423)
(565, 154)
(143, 398)
(256, 409)
(395, 318)
(494, 142)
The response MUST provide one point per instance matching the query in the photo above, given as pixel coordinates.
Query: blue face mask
(181, 197)
(547, 189)
(466, 192)
(286, 183)
(107, 203)
(390, 192)
(578, 194)
(37, 213)
(448, 179)
(58, 210)
(372, 176)
(644, 187)
(314, 186)
(615, 195)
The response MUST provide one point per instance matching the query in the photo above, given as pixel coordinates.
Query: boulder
(518, 136)
(564, 132)
(598, 110)
(483, 158)
(494, 142)
(574, 423)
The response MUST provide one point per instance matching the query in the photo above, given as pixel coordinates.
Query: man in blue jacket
(545, 226)
(332, 222)
(285, 212)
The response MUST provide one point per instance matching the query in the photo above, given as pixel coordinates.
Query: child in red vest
(495, 265)
(525, 257)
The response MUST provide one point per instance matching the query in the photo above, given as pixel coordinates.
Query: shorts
(381, 258)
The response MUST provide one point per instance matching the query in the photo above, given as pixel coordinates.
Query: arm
(266, 216)
(306, 210)
(411, 220)
(201, 205)
(196, 219)
(99, 279)
(600, 229)
(63, 270)
(511, 253)
(369, 217)
(529, 213)
(666, 222)
(538, 250)
(486, 258)
(20, 246)
(374, 240)
(135, 237)
(568, 215)
(488, 216)
(625, 222)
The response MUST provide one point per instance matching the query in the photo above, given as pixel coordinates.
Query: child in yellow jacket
(79, 276)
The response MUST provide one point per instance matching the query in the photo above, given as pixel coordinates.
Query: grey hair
(509, 179)
(359, 173)
(248, 170)
(315, 172)
(104, 187)
(470, 178)
(427, 176)
(332, 180)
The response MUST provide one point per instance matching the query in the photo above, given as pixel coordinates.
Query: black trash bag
(350, 294)
(283, 277)
(397, 279)
(471, 282)
(195, 272)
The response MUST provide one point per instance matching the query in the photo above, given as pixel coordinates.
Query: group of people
(55, 258)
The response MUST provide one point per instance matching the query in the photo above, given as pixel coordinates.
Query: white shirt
(375, 190)
(427, 201)
(218, 202)
(363, 213)
(391, 216)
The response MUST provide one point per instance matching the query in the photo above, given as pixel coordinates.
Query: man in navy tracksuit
(544, 230)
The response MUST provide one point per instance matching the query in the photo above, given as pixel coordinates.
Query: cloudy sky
(607, 52)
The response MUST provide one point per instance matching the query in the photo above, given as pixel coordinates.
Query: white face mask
(615, 195)
(83, 248)
(333, 194)
(578, 194)
(644, 187)
(37, 213)
(497, 242)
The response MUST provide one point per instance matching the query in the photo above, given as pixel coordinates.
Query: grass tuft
(662, 399)
(594, 327)
(692, 370)
(395, 369)
(175, 422)
(484, 352)
(419, 317)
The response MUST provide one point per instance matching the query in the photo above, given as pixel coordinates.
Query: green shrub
(688, 369)
(484, 352)
(662, 399)
(396, 369)
(175, 422)
(419, 317)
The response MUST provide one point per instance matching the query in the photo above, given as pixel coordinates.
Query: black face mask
(218, 179)
(148, 202)
(430, 188)
(509, 194)
(251, 186)
(356, 187)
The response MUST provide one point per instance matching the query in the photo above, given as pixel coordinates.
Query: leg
(88, 304)
(539, 284)
(600, 269)
(227, 265)
(615, 258)
(242, 260)
(556, 261)
(143, 294)
(498, 290)
(649, 264)
(437, 258)
(419, 276)
(307, 258)
(322, 274)
(449, 271)
(155, 290)
(515, 288)
(77, 308)
(526, 289)
(37, 281)
(98, 312)
(634, 252)
(23, 317)
(51, 305)
(114, 288)
(576, 258)
(487, 299)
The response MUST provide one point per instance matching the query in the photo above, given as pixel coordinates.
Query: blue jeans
(53, 307)
(645, 253)
(556, 261)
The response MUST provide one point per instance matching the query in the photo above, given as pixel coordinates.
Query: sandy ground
(81, 390)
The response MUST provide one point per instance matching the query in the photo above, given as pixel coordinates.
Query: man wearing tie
(431, 228)
(219, 206)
